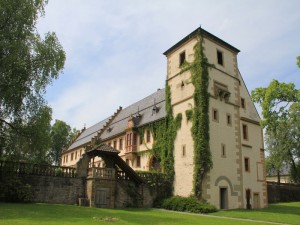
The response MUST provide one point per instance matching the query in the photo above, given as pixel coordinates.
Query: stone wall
(47, 189)
(283, 192)
(56, 190)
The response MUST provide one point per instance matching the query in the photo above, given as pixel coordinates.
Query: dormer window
(181, 58)
(222, 91)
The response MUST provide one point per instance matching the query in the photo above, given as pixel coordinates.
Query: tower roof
(205, 34)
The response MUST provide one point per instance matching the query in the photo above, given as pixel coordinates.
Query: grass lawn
(67, 214)
(287, 213)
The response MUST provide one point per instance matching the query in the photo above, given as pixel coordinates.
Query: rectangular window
(121, 144)
(181, 58)
(223, 149)
(228, 119)
(243, 103)
(220, 57)
(80, 152)
(115, 144)
(148, 136)
(134, 139)
(245, 132)
(127, 161)
(66, 158)
(183, 150)
(128, 143)
(215, 115)
(138, 161)
(72, 156)
(109, 144)
(75, 155)
(247, 165)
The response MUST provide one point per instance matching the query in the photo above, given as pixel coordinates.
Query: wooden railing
(22, 168)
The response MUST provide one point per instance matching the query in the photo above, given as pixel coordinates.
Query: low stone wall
(64, 185)
(56, 190)
(283, 192)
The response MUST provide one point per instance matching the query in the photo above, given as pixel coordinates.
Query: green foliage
(298, 61)
(189, 114)
(33, 146)
(200, 128)
(13, 189)
(281, 120)
(164, 133)
(158, 183)
(190, 204)
(61, 135)
(275, 101)
(28, 64)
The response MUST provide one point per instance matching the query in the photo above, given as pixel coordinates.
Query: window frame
(245, 132)
(229, 119)
(182, 58)
(148, 136)
(121, 144)
(223, 150)
(220, 57)
(215, 114)
(247, 164)
(243, 103)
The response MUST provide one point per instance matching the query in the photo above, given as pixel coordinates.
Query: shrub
(189, 204)
(13, 189)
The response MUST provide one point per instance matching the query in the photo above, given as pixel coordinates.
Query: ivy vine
(200, 117)
(189, 114)
(164, 133)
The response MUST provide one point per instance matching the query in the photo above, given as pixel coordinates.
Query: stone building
(237, 178)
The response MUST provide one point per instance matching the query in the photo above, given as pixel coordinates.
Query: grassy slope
(39, 214)
(281, 213)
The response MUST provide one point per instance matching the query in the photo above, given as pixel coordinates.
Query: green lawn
(287, 213)
(67, 214)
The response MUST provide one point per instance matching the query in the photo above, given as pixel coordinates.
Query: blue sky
(114, 48)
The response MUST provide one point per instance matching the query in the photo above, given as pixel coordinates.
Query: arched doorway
(154, 164)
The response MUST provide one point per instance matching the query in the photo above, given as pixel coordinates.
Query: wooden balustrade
(22, 168)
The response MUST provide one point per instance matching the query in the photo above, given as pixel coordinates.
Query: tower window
(243, 105)
(245, 132)
(228, 119)
(183, 150)
(220, 57)
(181, 58)
(223, 152)
(247, 166)
(215, 115)
(120, 144)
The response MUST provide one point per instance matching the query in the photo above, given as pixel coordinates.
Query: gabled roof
(87, 134)
(205, 34)
(147, 110)
(142, 111)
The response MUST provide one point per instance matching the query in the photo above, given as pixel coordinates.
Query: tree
(33, 146)
(28, 64)
(298, 61)
(61, 135)
(281, 120)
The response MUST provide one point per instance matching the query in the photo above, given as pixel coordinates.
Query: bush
(13, 189)
(189, 204)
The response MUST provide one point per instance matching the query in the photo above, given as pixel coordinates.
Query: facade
(238, 178)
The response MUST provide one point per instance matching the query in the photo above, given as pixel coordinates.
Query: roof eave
(205, 33)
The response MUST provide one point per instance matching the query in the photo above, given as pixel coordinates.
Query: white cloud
(114, 48)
